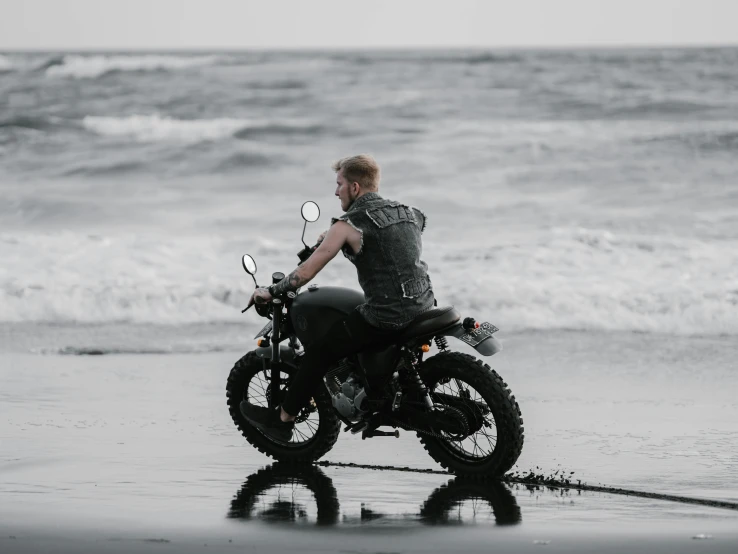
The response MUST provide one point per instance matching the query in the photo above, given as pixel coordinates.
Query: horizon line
(313, 48)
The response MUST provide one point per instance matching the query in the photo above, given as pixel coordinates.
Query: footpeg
(357, 428)
(369, 434)
(396, 402)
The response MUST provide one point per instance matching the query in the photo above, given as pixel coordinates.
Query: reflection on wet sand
(444, 504)
(304, 494)
(288, 494)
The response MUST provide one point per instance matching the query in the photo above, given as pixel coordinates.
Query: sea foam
(573, 278)
(151, 128)
(154, 127)
(81, 67)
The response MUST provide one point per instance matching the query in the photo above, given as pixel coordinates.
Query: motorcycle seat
(430, 322)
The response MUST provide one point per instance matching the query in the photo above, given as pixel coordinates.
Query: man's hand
(260, 296)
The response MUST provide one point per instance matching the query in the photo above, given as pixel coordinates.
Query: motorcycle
(462, 411)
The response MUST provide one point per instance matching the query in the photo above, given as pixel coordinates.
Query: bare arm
(331, 245)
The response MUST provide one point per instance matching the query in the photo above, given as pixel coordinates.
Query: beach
(137, 452)
(582, 200)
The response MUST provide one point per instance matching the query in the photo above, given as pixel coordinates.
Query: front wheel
(316, 426)
(493, 439)
(293, 493)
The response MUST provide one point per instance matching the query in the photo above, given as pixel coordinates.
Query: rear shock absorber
(441, 343)
(411, 371)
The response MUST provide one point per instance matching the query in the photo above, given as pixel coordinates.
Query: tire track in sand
(556, 484)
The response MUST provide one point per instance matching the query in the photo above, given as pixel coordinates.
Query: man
(382, 239)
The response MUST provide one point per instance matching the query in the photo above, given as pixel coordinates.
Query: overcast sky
(110, 24)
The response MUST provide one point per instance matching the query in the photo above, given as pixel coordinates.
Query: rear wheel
(316, 426)
(493, 440)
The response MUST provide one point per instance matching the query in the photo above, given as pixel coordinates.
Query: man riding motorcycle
(382, 238)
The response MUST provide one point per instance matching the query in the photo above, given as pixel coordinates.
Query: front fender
(287, 354)
(488, 347)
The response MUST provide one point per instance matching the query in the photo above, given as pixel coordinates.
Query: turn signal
(425, 348)
(259, 342)
(476, 325)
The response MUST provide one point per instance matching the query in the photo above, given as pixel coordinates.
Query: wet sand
(129, 453)
(280, 508)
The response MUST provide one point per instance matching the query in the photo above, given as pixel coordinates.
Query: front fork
(276, 358)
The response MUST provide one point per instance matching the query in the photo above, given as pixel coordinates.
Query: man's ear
(355, 188)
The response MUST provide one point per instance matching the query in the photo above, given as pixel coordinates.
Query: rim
(307, 421)
(481, 444)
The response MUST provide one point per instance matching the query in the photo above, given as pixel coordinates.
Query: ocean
(584, 190)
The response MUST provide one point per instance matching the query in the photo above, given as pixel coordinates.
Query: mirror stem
(303, 233)
(255, 283)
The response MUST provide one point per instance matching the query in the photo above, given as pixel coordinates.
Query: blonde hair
(362, 169)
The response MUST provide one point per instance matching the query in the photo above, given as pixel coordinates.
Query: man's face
(345, 191)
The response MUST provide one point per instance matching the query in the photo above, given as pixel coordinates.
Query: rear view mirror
(248, 264)
(310, 211)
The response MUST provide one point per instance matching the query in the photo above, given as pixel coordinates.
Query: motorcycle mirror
(310, 211)
(248, 264)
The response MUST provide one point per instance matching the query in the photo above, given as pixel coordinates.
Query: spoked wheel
(493, 439)
(316, 426)
(257, 392)
(479, 439)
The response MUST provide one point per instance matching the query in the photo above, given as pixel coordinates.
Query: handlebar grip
(262, 309)
(306, 252)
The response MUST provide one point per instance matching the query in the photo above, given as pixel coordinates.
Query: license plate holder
(479, 335)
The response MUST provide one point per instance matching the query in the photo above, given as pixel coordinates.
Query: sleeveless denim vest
(394, 279)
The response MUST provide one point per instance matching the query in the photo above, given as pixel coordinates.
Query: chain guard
(458, 415)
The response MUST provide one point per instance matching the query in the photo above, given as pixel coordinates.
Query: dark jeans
(347, 336)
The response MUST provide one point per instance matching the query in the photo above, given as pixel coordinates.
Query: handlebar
(264, 309)
(306, 252)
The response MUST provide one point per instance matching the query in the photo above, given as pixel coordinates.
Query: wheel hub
(451, 421)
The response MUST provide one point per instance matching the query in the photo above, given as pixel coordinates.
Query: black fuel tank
(316, 309)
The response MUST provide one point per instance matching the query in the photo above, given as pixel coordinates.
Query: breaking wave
(575, 279)
(50, 62)
(154, 128)
(85, 67)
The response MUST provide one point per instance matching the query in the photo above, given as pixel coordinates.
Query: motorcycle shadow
(305, 495)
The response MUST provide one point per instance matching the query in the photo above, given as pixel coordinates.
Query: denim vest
(394, 279)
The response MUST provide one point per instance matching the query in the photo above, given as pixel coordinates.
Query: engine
(347, 391)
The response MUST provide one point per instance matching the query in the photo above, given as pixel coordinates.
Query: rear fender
(488, 347)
